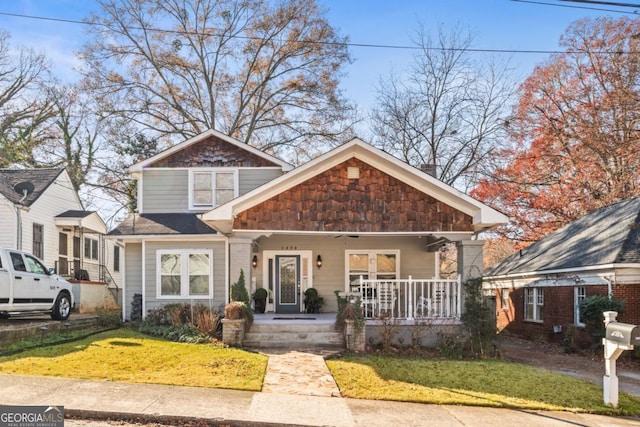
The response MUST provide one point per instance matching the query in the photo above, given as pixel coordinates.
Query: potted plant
(312, 301)
(260, 300)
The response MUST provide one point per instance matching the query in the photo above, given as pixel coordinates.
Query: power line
(348, 44)
(576, 7)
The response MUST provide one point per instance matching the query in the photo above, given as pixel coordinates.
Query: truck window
(35, 266)
(18, 262)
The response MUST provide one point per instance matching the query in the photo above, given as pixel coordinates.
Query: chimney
(429, 169)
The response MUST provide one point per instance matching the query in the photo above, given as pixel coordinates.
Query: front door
(287, 284)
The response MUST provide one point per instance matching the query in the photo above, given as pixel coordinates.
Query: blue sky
(495, 24)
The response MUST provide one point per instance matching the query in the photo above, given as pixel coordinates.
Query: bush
(312, 301)
(237, 310)
(239, 290)
(182, 322)
(478, 319)
(591, 309)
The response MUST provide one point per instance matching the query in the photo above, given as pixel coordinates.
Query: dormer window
(211, 188)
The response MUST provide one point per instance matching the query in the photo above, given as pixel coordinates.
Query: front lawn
(126, 355)
(477, 383)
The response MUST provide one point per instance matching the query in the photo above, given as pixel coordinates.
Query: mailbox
(623, 333)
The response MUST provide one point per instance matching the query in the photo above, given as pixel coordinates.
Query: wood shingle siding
(212, 152)
(374, 202)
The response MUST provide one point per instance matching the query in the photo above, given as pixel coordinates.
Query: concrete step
(292, 339)
(293, 327)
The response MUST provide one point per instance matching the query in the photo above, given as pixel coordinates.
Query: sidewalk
(170, 405)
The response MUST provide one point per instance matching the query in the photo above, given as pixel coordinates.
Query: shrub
(239, 291)
(312, 301)
(591, 309)
(478, 319)
(182, 322)
(237, 310)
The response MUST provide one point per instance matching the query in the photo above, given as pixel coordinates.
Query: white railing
(410, 298)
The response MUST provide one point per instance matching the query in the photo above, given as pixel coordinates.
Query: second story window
(211, 188)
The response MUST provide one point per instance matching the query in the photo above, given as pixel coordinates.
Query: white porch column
(470, 258)
(240, 259)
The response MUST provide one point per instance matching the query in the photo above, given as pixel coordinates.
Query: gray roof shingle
(40, 178)
(610, 235)
(163, 224)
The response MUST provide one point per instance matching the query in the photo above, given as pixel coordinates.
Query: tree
(260, 71)
(575, 132)
(24, 107)
(449, 111)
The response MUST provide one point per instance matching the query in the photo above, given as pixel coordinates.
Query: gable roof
(138, 167)
(40, 178)
(610, 235)
(483, 216)
(89, 220)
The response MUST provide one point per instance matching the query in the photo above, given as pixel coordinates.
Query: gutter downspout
(609, 287)
(19, 220)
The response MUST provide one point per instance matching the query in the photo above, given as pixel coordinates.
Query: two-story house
(41, 213)
(212, 206)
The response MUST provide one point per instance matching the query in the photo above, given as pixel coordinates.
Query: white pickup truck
(26, 285)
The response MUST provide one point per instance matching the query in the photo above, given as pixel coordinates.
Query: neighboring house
(212, 206)
(538, 289)
(41, 213)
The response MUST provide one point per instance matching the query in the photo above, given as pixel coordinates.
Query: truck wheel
(62, 307)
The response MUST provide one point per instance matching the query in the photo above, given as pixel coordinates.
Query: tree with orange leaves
(575, 132)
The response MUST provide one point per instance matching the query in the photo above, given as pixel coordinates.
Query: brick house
(211, 206)
(538, 289)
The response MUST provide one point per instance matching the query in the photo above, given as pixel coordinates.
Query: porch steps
(293, 334)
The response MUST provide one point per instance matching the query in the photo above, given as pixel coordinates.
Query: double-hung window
(534, 304)
(185, 273)
(210, 188)
(504, 294)
(90, 248)
(38, 240)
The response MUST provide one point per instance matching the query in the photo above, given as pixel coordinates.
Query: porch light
(319, 261)
(254, 261)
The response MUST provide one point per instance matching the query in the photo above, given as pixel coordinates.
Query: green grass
(475, 383)
(126, 355)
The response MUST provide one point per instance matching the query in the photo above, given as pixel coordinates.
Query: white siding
(165, 191)
(219, 279)
(7, 224)
(59, 197)
(415, 261)
(253, 178)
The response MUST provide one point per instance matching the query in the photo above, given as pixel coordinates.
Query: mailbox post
(618, 338)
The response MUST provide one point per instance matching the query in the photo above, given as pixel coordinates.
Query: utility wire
(575, 7)
(349, 44)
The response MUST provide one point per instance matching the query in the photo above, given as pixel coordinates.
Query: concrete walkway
(299, 372)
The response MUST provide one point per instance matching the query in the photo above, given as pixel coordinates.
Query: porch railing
(410, 298)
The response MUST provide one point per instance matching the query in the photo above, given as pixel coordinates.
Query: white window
(185, 273)
(534, 304)
(381, 265)
(90, 248)
(210, 188)
(504, 293)
(579, 294)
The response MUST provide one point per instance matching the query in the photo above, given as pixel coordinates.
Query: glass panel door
(287, 283)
